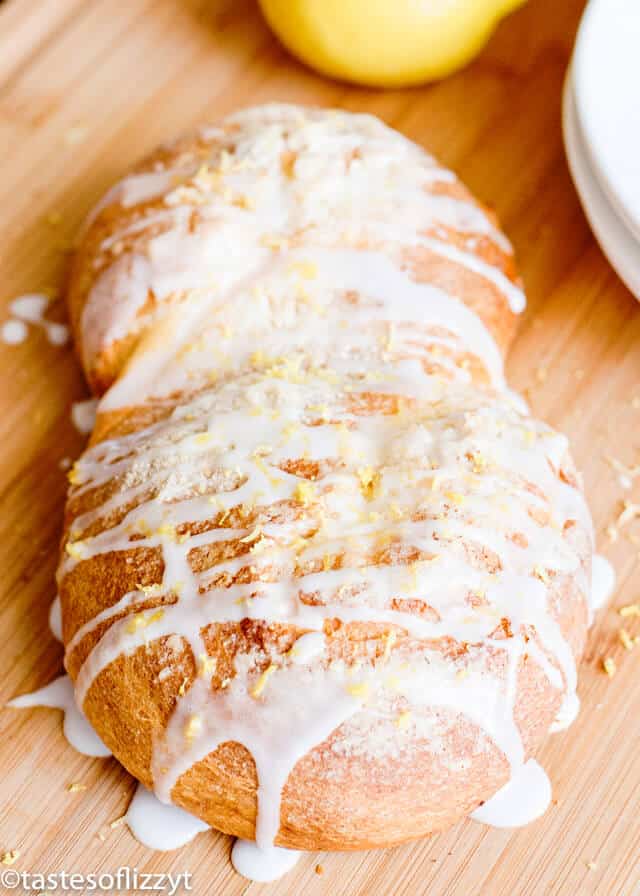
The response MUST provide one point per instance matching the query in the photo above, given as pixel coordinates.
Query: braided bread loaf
(324, 581)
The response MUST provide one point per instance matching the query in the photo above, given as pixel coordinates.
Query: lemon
(385, 43)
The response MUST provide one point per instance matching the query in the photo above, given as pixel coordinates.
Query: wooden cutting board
(87, 87)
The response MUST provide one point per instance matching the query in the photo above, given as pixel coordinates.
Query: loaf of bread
(324, 580)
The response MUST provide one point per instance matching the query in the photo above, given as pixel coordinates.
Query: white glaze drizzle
(603, 583)
(158, 825)
(353, 181)
(390, 299)
(523, 799)
(331, 325)
(262, 865)
(77, 730)
(30, 309)
(83, 415)
(567, 714)
(14, 332)
(308, 648)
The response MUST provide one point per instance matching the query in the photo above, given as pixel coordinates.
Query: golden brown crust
(129, 708)
(338, 796)
(99, 251)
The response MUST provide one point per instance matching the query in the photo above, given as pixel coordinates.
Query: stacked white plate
(601, 121)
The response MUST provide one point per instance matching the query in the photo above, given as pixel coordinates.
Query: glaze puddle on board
(59, 694)
(523, 799)
(30, 309)
(159, 826)
(14, 332)
(77, 730)
(603, 582)
(83, 415)
(262, 865)
(164, 827)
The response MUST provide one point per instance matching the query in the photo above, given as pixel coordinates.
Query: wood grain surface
(86, 88)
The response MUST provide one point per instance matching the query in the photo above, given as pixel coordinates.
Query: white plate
(606, 78)
(616, 239)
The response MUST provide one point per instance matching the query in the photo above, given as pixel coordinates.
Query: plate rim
(585, 44)
(621, 248)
